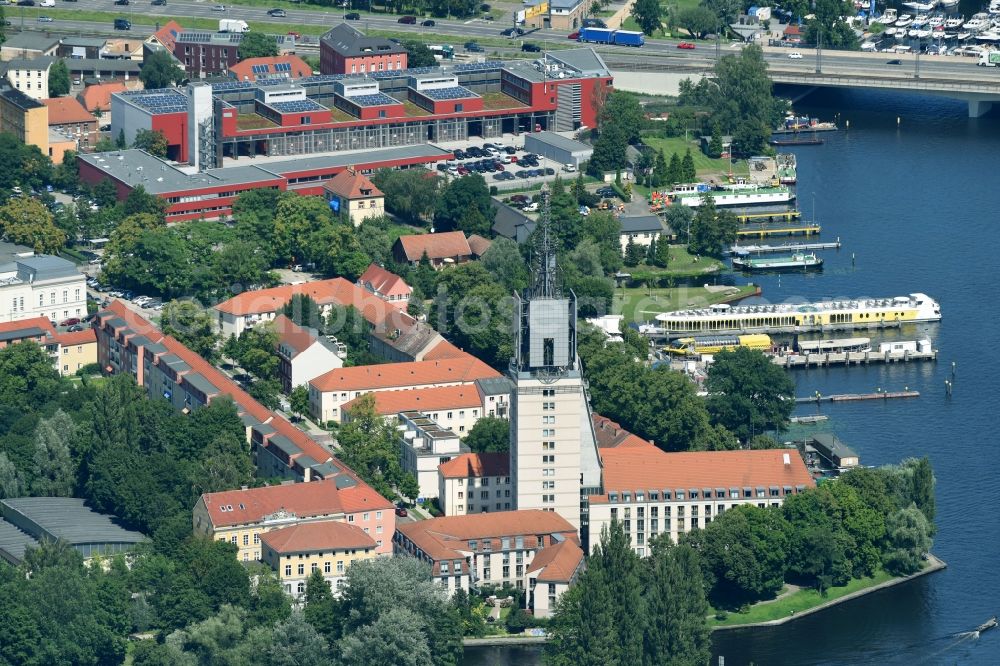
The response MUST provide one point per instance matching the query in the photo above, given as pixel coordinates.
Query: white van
(47, 3)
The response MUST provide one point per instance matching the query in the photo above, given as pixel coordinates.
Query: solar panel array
(456, 92)
(194, 37)
(260, 69)
(160, 102)
(282, 66)
(378, 99)
(297, 106)
(321, 79)
(228, 86)
(478, 66)
(413, 71)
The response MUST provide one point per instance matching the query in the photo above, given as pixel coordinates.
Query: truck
(233, 25)
(608, 36)
(989, 59)
(596, 35)
(629, 38)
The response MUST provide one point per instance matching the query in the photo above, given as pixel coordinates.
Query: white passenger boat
(904, 21)
(918, 6)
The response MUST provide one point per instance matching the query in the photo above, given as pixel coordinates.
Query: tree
(160, 70)
(828, 28)
(294, 642)
(489, 435)
(297, 221)
(257, 45)
(633, 253)
(304, 311)
(474, 312)
(661, 172)
(918, 486)
(715, 143)
(748, 394)
(139, 201)
(418, 55)
(678, 219)
(58, 79)
(395, 638)
(675, 174)
(712, 230)
(661, 257)
(55, 472)
(321, 609)
(152, 141)
(369, 445)
(699, 21)
(189, 323)
(411, 194)
(648, 14)
(298, 400)
(727, 11)
(688, 172)
(675, 600)
(11, 483)
(461, 197)
(27, 377)
(503, 261)
(26, 221)
(909, 539)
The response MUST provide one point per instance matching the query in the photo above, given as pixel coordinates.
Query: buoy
(898, 121)
(847, 124)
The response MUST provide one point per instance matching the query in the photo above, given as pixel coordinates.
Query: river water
(916, 207)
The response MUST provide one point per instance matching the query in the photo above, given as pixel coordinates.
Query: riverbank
(808, 601)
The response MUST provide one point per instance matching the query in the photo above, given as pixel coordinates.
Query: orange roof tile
(649, 468)
(297, 337)
(337, 291)
(422, 400)
(476, 465)
(352, 185)
(437, 246)
(362, 497)
(42, 323)
(414, 373)
(67, 111)
(323, 536)
(443, 349)
(384, 282)
(448, 537)
(479, 245)
(86, 336)
(98, 96)
(167, 35)
(243, 70)
(558, 563)
(305, 500)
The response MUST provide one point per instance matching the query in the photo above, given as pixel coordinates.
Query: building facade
(352, 195)
(31, 76)
(41, 286)
(69, 117)
(304, 354)
(295, 552)
(346, 50)
(386, 285)
(424, 445)
(24, 117)
(475, 483)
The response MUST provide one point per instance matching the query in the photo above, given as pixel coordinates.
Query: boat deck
(792, 228)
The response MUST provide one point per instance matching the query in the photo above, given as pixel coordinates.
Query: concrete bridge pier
(979, 107)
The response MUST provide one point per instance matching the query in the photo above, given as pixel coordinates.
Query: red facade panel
(174, 127)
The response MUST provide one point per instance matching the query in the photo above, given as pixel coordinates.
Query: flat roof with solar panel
(157, 101)
(379, 99)
(443, 94)
(297, 106)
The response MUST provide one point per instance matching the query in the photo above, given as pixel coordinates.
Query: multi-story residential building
(351, 194)
(386, 285)
(328, 393)
(24, 117)
(456, 408)
(27, 45)
(475, 483)
(77, 350)
(40, 286)
(304, 354)
(69, 351)
(423, 446)
(652, 492)
(31, 76)
(128, 344)
(67, 116)
(242, 516)
(296, 552)
(346, 50)
(468, 552)
(553, 451)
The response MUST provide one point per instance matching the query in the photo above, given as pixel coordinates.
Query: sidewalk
(616, 19)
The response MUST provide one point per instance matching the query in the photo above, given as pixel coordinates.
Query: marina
(854, 351)
(787, 247)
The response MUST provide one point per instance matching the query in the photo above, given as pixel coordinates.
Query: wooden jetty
(756, 230)
(768, 216)
(855, 397)
(786, 247)
(851, 358)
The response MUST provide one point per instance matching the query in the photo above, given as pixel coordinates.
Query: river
(916, 207)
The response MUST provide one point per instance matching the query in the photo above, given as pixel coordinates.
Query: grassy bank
(703, 164)
(640, 304)
(682, 265)
(802, 600)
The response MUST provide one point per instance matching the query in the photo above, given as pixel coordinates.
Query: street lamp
(819, 50)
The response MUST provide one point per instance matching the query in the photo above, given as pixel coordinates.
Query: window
(246, 539)
(301, 587)
(302, 569)
(65, 296)
(314, 567)
(461, 495)
(378, 515)
(365, 517)
(340, 566)
(288, 569)
(326, 567)
(76, 295)
(444, 568)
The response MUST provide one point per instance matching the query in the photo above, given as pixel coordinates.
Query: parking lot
(502, 162)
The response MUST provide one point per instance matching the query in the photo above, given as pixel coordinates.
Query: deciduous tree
(489, 435)
(58, 79)
(257, 45)
(648, 14)
(748, 394)
(153, 142)
(27, 221)
(160, 70)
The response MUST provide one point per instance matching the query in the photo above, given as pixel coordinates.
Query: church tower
(553, 452)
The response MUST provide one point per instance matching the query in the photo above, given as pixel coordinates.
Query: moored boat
(691, 195)
(798, 260)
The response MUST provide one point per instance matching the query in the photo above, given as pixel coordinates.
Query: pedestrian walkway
(616, 19)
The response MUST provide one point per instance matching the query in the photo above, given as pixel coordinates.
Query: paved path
(616, 20)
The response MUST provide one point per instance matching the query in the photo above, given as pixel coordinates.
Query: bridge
(944, 76)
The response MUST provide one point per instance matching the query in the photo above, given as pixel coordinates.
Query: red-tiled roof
(350, 184)
(337, 291)
(362, 497)
(415, 373)
(649, 468)
(422, 400)
(384, 282)
(42, 323)
(448, 537)
(294, 336)
(305, 500)
(84, 337)
(321, 536)
(167, 35)
(611, 435)
(479, 245)
(443, 349)
(445, 245)
(67, 111)
(476, 465)
(558, 563)
(98, 96)
(243, 70)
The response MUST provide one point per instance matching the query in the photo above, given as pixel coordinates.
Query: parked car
(353, 16)
(511, 32)
(686, 46)
(532, 207)
(520, 199)
(569, 168)
(549, 171)
(573, 35)
(407, 20)
(70, 321)
(459, 154)
(428, 23)
(123, 3)
(401, 511)
(277, 13)
(528, 47)
(74, 328)
(606, 192)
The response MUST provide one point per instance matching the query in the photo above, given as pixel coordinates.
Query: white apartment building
(475, 483)
(425, 445)
(41, 286)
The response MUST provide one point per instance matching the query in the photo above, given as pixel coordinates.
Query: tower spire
(546, 284)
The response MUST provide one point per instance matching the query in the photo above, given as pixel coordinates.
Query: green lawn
(682, 264)
(640, 304)
(797, 602)
(703, 164)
